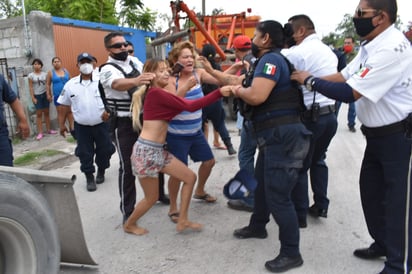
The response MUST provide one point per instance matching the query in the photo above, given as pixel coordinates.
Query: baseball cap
(240, 186)
(242, 42)
(84, 55)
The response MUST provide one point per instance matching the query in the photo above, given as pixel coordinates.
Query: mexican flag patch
(269, 69)
(363, 71)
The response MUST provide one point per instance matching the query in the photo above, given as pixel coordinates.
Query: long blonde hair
(151, 65)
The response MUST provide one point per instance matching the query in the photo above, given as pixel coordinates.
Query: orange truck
(218, 30)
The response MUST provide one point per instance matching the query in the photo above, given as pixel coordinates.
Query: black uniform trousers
(124, 138)
(385, 188)
(93, 141)
(323, 131)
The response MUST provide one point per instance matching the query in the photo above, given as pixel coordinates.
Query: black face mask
(288, 32)
(255, 50)
(363, 26)
(290, 41)
(122, 56)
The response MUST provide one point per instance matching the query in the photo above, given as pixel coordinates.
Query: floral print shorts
(148, 158)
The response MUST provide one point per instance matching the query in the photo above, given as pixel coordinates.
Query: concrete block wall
(20, 43)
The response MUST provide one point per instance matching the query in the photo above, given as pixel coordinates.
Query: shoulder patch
(363, 71)
(269, 69)
(105, 75)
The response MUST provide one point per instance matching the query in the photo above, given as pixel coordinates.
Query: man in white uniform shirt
(379, 79)
(93, 140)
(311, 54)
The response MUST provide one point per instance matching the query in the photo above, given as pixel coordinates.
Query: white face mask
(86, 68)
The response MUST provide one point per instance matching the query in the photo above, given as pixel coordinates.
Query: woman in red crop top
(149, 156)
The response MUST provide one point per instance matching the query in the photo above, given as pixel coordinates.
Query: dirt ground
(326, 244)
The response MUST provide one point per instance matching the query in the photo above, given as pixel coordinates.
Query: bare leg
(150, 188)
(204, 172)
(47, 120)
(182, 173)
(216, 142)
(173, 187)
(39, 121)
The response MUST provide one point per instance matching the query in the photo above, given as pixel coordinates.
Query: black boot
(163, 198)
(90, 183)
(230, 149)
(100, 176)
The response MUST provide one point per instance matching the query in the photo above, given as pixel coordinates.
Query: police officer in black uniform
(7, 95)
(118, 81)
(273, 105)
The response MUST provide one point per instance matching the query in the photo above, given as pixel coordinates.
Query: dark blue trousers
(6, 149)
(93, 145)
(385, 188)
(323, 131)
(282, 150)
(216, 114)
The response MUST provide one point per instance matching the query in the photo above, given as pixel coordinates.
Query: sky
(326, 14)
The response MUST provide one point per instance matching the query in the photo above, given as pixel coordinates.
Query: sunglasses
(130, 51)
(360, 12)
(118, 45)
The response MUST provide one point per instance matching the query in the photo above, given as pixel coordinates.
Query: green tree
(144, 19)
(10, 8)
(102, 11)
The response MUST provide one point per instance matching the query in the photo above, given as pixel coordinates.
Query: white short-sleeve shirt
(110, 73)
(316, 57)
(85, 100)
(382, 73)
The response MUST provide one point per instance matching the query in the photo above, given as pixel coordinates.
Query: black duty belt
(373, 132)
(276, 121)
(322, 111)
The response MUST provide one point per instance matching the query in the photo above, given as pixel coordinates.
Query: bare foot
(185, 225)
(134, 229)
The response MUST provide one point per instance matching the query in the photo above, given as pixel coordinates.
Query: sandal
(174, 217)
(207, 198)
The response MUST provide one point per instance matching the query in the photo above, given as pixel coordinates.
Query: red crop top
(162, 105)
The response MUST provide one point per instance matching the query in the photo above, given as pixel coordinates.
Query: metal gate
(10, 76)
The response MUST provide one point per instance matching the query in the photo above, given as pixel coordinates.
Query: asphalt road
(326, 244)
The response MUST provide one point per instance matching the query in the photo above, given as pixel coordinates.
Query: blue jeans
(246, 154)
(247, 148)
(351, 112)
(282, 151)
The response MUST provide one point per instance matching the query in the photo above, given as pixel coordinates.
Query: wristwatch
(309, 82)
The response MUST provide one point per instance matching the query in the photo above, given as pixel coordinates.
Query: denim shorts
(42, 101)
(148, 158)
(194, 146)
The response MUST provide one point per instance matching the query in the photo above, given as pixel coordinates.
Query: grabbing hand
(205, 63)
(299, 76)
(226, 90)
(190, 83)
(145, 78)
